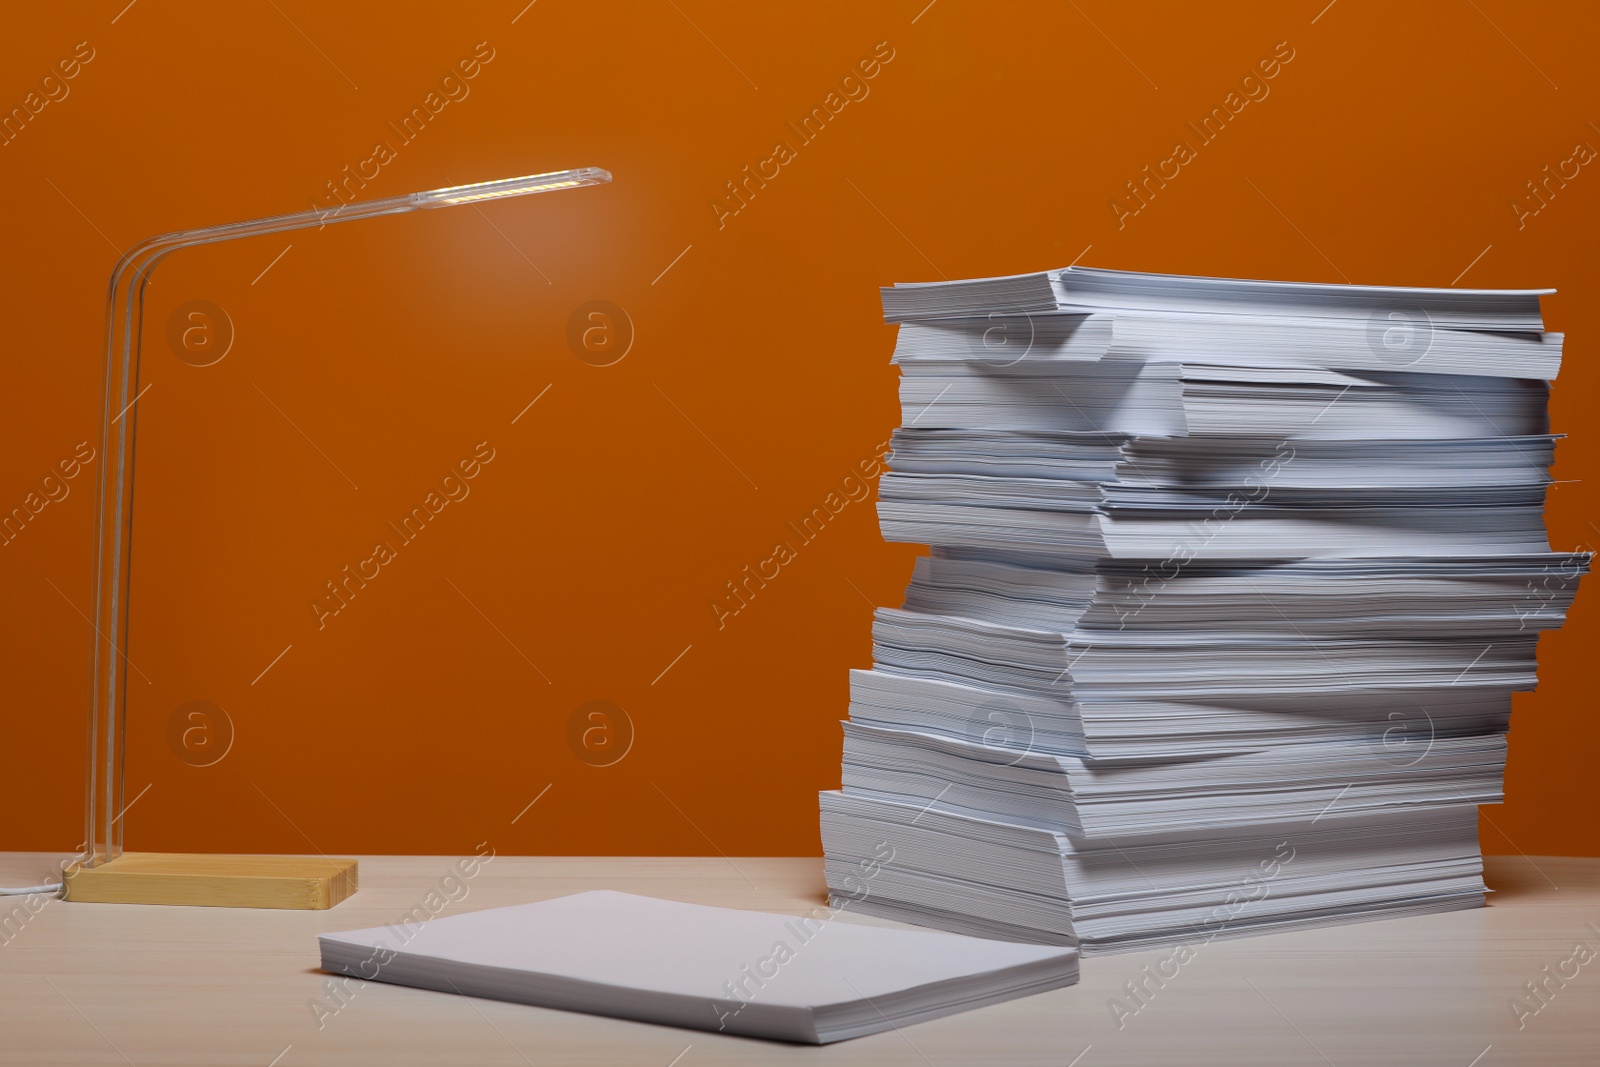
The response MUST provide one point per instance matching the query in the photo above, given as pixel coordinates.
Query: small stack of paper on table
(811, 978)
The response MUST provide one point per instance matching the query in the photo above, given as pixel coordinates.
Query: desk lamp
(106, 873)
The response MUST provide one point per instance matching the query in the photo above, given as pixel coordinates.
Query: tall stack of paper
(1231, 585)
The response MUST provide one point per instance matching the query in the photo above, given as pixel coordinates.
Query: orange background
(431, 711)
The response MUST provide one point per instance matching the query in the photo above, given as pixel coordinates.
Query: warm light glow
(469, 197)
(113, 524)
(532, 183)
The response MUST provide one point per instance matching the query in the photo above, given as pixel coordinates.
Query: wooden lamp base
(299, 882)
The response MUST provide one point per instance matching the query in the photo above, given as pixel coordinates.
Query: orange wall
(583, 565)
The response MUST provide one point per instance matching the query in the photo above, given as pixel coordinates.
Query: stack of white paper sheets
(1232, 583)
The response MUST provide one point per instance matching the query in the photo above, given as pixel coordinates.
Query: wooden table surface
(131, 984)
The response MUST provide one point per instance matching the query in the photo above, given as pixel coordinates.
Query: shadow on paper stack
(1231, 585)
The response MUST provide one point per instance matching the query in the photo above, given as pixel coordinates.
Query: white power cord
(53, 888)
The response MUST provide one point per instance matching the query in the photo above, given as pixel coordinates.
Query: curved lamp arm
(114, 518)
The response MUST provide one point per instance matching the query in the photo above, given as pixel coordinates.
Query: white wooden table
(121, 984)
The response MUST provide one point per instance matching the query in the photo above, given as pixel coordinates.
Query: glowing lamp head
(496, 190)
